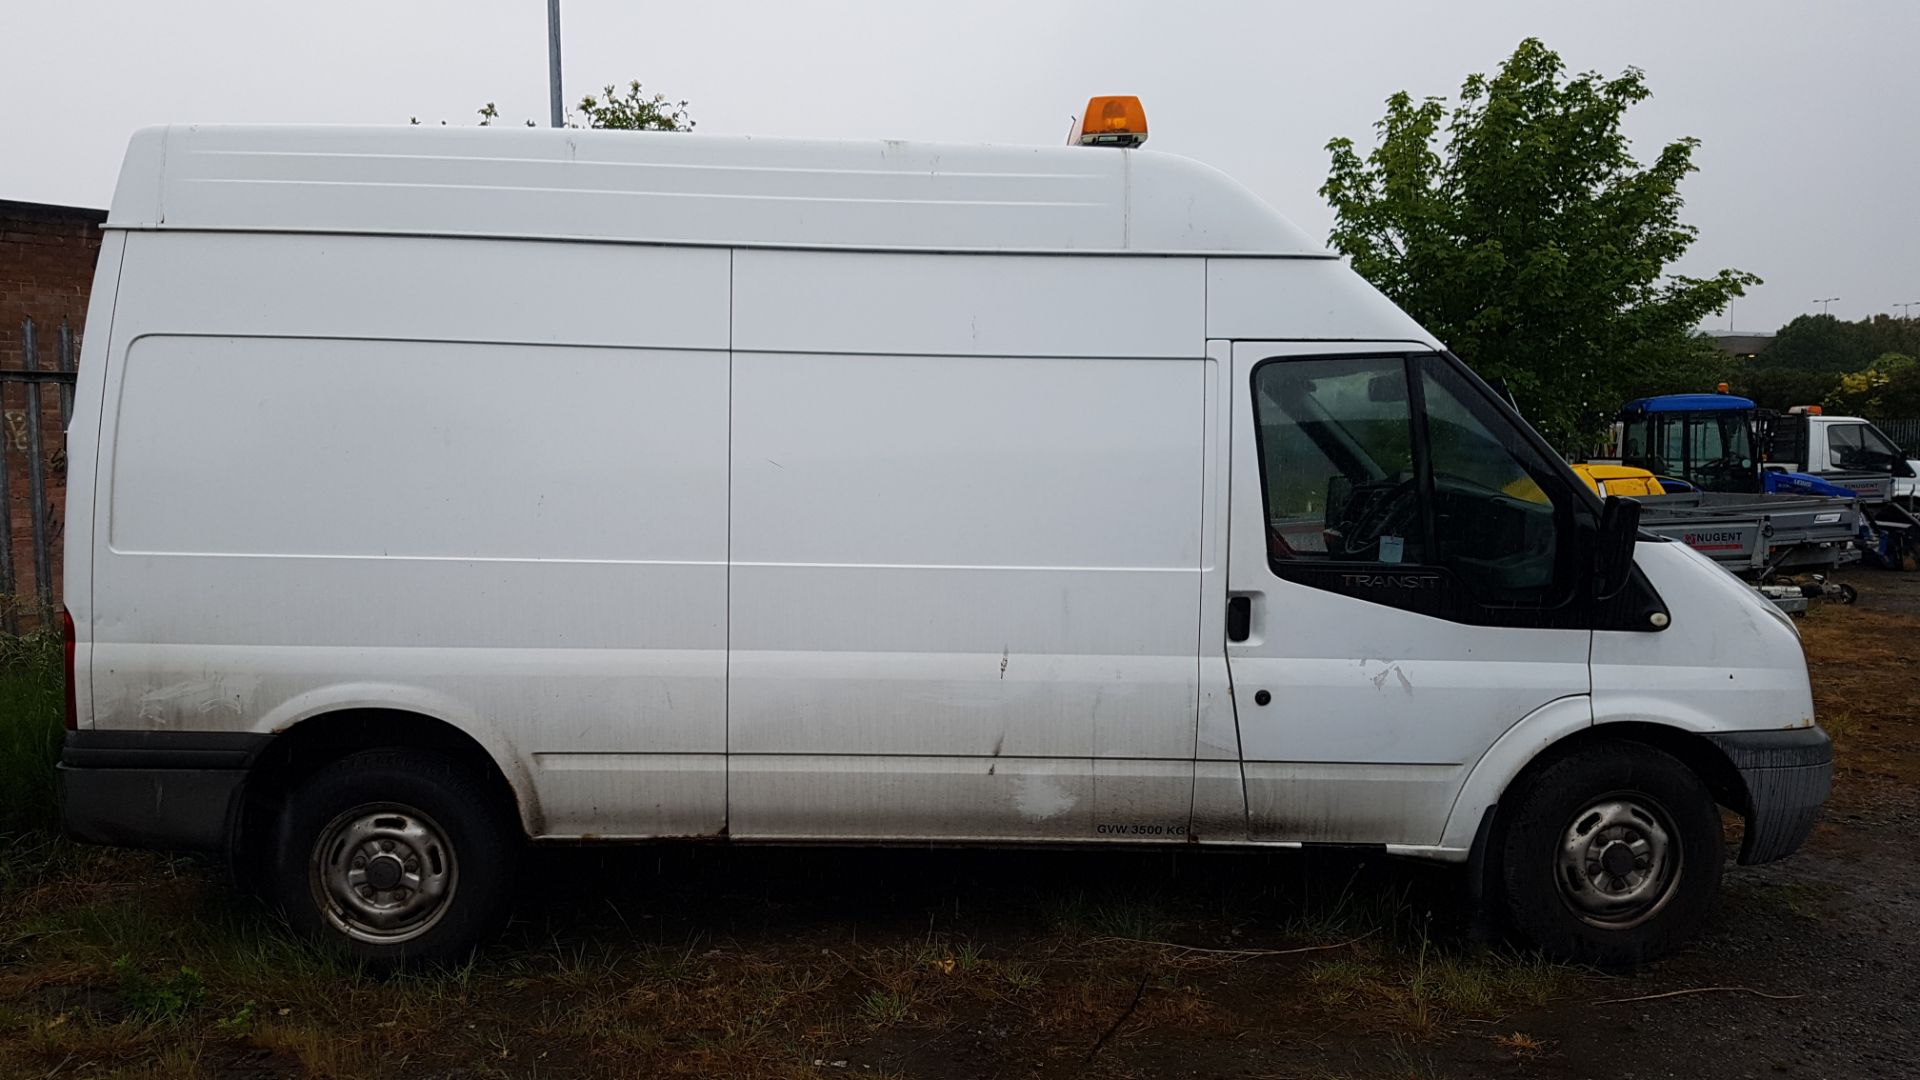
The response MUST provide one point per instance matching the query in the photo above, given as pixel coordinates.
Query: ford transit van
(433, 491)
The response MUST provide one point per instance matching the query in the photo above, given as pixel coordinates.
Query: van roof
(675, 188)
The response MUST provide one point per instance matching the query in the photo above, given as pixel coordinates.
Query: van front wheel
(397, 856)
(1611, 855)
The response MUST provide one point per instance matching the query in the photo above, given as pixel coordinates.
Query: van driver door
(1402, 586)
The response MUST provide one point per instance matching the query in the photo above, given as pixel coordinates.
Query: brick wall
(47, 256)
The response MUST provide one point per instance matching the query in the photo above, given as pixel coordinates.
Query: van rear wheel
(1611, 855)
(398, 857)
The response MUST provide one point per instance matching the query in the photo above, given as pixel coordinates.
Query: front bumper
(1787, 775)
(173, 790)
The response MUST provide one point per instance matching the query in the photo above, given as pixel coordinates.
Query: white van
(435, 489)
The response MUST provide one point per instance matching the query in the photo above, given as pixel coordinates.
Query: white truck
(435, 491)
(1848, 450)
(1851, 452)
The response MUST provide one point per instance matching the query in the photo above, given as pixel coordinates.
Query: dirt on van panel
(706, 961)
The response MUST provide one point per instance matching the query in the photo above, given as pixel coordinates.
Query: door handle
(1239, 618)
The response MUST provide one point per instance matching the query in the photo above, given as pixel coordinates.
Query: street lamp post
(1822, 302)
(555, 114)
(1906, 309)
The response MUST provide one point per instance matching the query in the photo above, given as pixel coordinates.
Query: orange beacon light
(1116, 120)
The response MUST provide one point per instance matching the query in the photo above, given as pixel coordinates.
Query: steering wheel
(1722, 473)
(1381, 516)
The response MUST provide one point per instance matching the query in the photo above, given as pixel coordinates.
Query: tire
(417, 836)
(1610, 855)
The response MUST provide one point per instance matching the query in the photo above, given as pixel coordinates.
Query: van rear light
(69, 644)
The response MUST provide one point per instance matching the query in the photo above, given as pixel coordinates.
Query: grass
(1137, 918)
(147, 965)
(1438, 986)
(165, 999)
(32, 714)
(881, 1008)
(1521, 1045)
(1841, 725)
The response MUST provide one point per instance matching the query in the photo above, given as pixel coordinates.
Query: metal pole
(36, 481)
(556, 114)
(9, 608)
(63, 359)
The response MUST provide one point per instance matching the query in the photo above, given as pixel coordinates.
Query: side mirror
(1613, 547)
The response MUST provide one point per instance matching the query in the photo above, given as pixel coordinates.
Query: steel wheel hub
(1618, 861)
(382, 873)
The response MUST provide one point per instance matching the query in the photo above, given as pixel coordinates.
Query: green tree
(1831, 346)
(613, 108)
(1887, 389)
(1817, 343)
(1781, 389)
(1518, 227)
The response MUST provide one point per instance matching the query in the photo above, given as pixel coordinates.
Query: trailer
(1759, 536)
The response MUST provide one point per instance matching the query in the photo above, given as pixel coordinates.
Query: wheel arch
(1559, 729)
(1693, 749)
(301, 748)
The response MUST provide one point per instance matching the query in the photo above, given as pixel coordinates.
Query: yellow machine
(1619, 480)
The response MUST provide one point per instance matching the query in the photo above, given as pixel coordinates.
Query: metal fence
(35, 404)
(1905, 433)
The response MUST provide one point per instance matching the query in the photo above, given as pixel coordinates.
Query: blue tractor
(1708, 442)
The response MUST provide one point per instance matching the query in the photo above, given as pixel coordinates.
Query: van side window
(1843, 445)
(1494, 523)
(1362, 467)
(1337, 438)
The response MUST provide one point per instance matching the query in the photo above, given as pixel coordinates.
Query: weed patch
(880, 1008)
(1420, 993)
(164, 999)
(32, 722)
(1121, 917)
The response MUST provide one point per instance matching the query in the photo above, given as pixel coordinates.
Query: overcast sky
(1807, 110)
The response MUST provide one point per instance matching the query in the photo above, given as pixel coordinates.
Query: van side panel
(1301, 300)
(350, 472)
(83, 442)
(966, 545)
